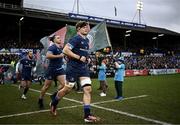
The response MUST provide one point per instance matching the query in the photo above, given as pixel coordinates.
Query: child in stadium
(102, 77)
(119, 77)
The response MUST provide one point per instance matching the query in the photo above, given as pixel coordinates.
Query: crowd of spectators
(152, 62)
(7, 58)
(131, 62)
(137, 62)
(26, 44)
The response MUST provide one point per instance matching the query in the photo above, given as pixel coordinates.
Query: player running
(55, 68)
(77, 68)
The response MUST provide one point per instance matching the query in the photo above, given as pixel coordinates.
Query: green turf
(162, 103)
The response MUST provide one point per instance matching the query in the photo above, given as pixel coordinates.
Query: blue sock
(86, 111)
(55, 101)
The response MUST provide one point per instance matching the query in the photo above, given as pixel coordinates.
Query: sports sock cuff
(57, 97)
(87, 106)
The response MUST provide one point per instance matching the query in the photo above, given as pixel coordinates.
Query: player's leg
(22, 82)
(55, 82)
(62, 80)
(60, 94)
(87, 89)
(22, 88)
(60, 76)
(86, 84)
(49, 78)
(44, 89)
(27, 86)
(70, 82)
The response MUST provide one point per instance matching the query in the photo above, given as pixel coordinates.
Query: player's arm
(34, 66)
(17, 67)
(68, 51)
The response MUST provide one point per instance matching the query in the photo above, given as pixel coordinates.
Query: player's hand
(61, 55)
(88, 60)
(83, 59)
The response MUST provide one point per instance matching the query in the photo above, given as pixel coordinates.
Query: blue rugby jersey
(79, 46)
(57, 62)
(27, 65)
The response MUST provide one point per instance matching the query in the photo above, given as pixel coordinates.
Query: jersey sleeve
(72, 42)
(21, 61)
(50, 50)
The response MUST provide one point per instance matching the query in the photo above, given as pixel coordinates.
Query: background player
(55, 68)
(27, 65)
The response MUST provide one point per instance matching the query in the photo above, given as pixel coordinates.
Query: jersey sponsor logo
(83, 49)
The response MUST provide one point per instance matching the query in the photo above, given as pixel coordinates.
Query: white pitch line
(115, 111)
(72, 100)
(35, 112)
(132, 115)
(116, 100)
(47, 93)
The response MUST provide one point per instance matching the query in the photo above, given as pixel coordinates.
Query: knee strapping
(70, 84)
(85, 82)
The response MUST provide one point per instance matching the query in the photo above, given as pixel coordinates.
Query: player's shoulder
(52, 47)
(23, 59)
(74, 38)
(77, 36)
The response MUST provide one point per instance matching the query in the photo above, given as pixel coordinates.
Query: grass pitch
(147, 100)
